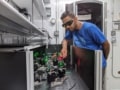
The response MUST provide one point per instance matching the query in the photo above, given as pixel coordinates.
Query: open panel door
(89, 67)
(93, 11)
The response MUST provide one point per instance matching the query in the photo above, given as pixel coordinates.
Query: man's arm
(64, 43)
(64, 48)
(106, 49)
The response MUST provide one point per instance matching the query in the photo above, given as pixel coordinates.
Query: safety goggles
(69, 23)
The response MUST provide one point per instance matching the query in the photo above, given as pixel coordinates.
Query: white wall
(112, 76)
(56, 12)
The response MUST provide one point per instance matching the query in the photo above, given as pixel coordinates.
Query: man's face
(68, 23)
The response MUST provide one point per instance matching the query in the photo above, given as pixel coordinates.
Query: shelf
(22, 48)
(32, 47)
(11, 49)
(39, 4)
(9, 12)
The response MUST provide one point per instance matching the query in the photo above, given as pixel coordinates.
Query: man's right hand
(64, 52)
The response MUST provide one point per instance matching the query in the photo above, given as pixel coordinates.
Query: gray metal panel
(13, 71)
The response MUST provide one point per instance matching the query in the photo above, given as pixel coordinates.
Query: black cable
(72, 86)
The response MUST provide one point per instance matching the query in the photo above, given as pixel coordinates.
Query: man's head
(69, 20)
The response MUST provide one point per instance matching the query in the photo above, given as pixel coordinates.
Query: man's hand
(63, 52)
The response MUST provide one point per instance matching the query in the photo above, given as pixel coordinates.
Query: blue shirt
(89, 36)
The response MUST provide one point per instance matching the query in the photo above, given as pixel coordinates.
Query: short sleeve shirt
(89, 36)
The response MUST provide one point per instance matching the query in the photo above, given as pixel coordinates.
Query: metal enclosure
(17, 71)
(16, 67)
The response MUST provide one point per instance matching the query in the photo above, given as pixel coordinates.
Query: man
(84, 35)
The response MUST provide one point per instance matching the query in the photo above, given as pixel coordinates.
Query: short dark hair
(67, 13)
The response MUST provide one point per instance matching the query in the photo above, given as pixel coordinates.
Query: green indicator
(45, 60)
(61, 64)
(36, 54)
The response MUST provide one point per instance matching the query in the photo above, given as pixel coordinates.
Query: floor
(73, 82)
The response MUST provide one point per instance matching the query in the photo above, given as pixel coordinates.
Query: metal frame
(28, 71)
(98, 70)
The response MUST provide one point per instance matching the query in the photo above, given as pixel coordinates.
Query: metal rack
(13, 15)
(17, 26)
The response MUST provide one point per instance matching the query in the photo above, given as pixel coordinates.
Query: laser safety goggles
(69, 23)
